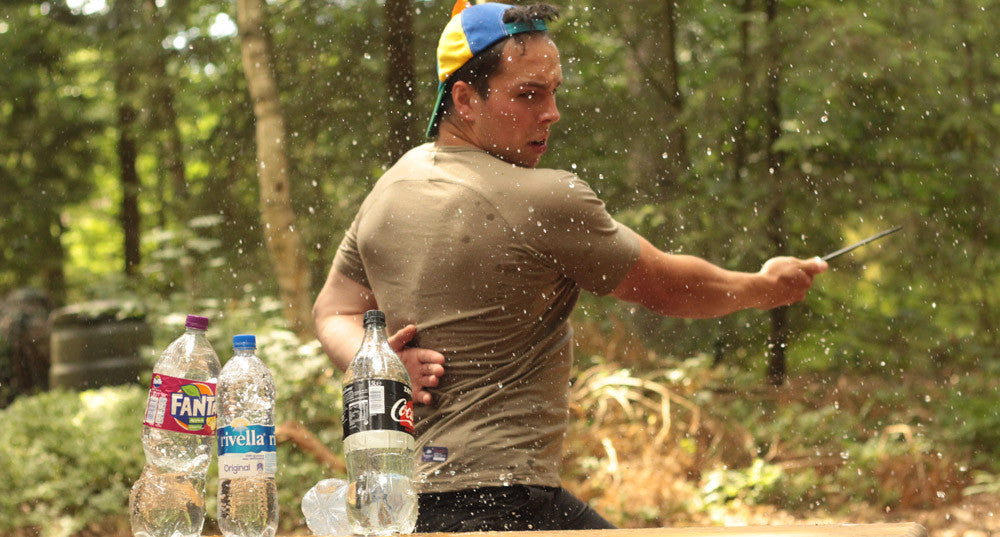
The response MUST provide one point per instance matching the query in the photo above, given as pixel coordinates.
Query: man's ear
(463, 97)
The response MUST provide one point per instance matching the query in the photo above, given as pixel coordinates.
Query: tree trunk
(173, 159)
(123, 22)
(399, 76)
(129, 216)
(162, 99)
(676, 146)
(658, 156)
(283, 242)
(53, 272)
(726, 331)
(777, 341)
(977, 107)
(743, 106)
(659, 153)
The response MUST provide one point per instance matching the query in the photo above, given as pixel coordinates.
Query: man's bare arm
(688, 286)
(338, 316)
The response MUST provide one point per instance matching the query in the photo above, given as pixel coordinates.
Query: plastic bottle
(178, 433)
(248, 498)
(378, 437)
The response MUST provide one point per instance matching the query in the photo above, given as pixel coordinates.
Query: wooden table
(821, 530)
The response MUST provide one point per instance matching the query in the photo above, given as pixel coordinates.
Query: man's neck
(448, 134)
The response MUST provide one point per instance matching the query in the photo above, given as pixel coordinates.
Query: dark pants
(514, 508)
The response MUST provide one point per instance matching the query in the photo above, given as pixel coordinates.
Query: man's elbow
(320, 314)
(653, 300)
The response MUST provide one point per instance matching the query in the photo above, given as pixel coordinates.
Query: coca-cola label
(377, 405)
(181, 405)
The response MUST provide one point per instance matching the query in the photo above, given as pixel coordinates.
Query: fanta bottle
(178, 436)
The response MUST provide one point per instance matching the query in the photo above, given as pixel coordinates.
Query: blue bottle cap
(244, 342)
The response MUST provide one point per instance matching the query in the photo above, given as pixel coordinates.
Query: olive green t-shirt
(488, 260)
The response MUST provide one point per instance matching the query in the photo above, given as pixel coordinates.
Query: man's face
(512, 122)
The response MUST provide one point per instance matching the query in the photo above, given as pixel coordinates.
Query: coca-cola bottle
(378, 437)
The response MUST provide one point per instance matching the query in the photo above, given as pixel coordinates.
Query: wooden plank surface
(821, 530)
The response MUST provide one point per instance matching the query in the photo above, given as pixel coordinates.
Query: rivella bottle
(248, 497)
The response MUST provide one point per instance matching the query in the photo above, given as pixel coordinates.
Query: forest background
(153, 154)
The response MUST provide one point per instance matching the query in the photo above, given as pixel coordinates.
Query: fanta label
(181, 405)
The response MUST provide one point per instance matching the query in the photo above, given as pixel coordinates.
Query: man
(478, 257)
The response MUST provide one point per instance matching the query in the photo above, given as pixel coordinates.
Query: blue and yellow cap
(471, 30)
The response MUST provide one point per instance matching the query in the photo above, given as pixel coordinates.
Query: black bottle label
(377, 405)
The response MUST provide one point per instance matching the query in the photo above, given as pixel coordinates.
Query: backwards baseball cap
(471, 30)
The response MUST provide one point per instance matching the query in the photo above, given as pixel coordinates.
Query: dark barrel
(24, 343)
(97, 344)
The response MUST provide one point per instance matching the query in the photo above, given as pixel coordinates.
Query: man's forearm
(337, 317)
(695, 288)
(340, 336)
(688, 286)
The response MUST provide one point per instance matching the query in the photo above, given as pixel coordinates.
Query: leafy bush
(969, 414)
(68, 459)
(751, 485)
(681, 441)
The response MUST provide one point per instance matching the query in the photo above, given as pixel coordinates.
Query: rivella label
(247, 450)
(181, 405)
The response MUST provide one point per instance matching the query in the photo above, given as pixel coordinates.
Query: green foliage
(69, 458)
(688, 442)
(47, 125)
(749, 485)
(968, 415)
(983, 483)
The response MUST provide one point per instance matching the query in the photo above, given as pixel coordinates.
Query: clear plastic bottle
(178, 433)
(248, 498)
(378, 437)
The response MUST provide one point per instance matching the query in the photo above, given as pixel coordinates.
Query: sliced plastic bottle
(178, 436)
(248, 498)
(378, 437)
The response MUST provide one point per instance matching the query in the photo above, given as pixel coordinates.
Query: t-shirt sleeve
(574, 232)
(347, 260)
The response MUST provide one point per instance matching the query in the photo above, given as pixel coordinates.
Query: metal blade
(874, 237)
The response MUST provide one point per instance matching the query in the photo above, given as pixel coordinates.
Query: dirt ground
(978, 516)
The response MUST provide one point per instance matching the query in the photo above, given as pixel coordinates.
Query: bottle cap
(244, 342)
(374, 317)
(197, 322)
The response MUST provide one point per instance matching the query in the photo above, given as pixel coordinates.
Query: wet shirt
(488, 260)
